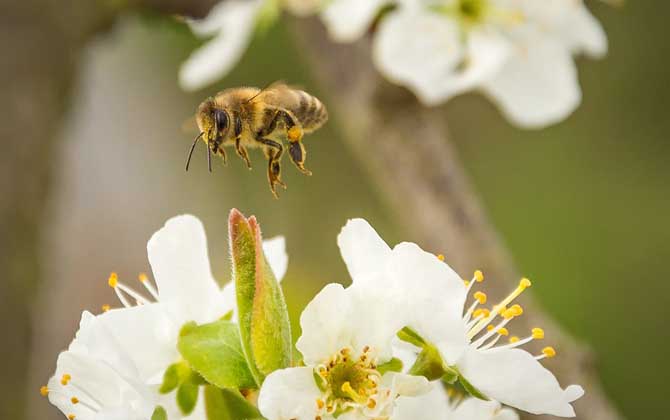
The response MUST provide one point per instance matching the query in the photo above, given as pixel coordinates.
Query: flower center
(472, 10)
(348, 382)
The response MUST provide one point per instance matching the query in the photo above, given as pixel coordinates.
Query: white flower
(348, 20)
(346, 335)
(231, 23)
(139, 341)
(436, 405)
(466, 337)
(518, 52)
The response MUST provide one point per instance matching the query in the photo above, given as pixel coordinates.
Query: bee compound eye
(221, 118)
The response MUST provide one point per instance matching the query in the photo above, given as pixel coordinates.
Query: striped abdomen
(311, 113)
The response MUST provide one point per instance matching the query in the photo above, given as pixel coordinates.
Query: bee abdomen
(311, 113)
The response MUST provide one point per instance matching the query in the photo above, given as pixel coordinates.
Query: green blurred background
(581, 205)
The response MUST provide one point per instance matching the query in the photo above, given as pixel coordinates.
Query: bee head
(212, 119)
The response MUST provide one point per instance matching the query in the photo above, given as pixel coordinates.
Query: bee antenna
(190, 153)
(209, 157)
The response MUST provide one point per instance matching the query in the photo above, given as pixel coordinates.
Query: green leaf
(228, 404)
(410, 336)
(214, 351)
(187, 397)
(393, 365)
(471, 389)
(263, 318)
(174, 375)
(159, 414)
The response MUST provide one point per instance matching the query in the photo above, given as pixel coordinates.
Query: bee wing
(274, 89)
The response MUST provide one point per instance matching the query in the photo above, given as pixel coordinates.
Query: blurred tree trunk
(405, 148)
(40, 42)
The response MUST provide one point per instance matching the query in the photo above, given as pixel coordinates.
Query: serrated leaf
(159, 414)
(187, 397)
(214, 351)
(263, 318)
(228, 404)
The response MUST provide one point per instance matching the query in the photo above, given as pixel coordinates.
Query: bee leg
(273, 152)
(222, 153)
(242, 152)
(297, 152)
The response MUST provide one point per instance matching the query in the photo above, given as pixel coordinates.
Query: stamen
(147, 284)
(440, 257)
(481, 297)
(538, 333)
(65, 379)
(514, 339)
(71, 416)
(106, 308)
(523, 285)
(113, 282)
(44, 391)
(74, 400)
(547, 352)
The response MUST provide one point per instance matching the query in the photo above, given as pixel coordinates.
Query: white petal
(233, 21)
(406, 385)
(348, 20)
(110, 391)
(364, 252)
(275, 253)
(432, 405)
(585, 33)
(506, 414)
(147, 335)
(179, 260)
(474, 409)
(418, 49)
(515, 378)
(538, 85)
(434, 295)
(324, 323)
(289, 394)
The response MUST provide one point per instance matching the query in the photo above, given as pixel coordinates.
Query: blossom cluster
(519, 53)
(407, 339)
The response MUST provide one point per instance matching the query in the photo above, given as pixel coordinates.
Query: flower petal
(538, 85)
(406, 385)
(179, 260)
(146, 334)
(434, 295)
(348, 20)
(364, 252)
(275, 253)
(475, 409)
(289, 394)
(432, 405)
(515, 378)
(233, 23)
(418, 49)
(584, 32)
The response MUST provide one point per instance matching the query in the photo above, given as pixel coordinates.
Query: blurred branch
(405, 148)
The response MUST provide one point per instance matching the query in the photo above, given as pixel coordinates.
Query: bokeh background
(583, 206)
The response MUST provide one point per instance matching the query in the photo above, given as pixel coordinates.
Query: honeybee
(248, 118)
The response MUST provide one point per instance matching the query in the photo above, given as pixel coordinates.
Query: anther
(65, 379)
(524, 283)
(503, 331)
(372, 403)
(481, 311)
(538, 333)
(142, 277)
(74, 400)
(481, 297)
(106, 308)
(549, 352)
(113, 280)
(479, 276)
(320, 404)
(440, 257)
(513, 339)
(44, 391)
(71, 417)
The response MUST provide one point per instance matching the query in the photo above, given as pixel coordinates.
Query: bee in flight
(249, 118)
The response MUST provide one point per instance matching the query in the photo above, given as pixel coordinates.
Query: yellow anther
(481, 297)
(489, 327)
(479, 276)
(44, 391)
(466, 283)
(113, 280)
(106, 308)
(481, 311)
(65, 379)
(440, 257)
(549, 352)
(320, 404)
(538, 333)
(372, 403)
(142, 277)
(524, 283)
(513, 339)
(509, 313)
(71, 417)
(74, 400)
(503, 331)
